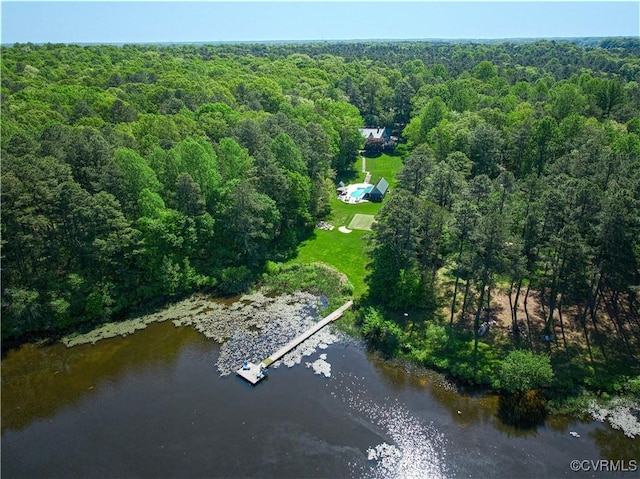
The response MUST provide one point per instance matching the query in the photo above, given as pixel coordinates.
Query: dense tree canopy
(135, 174)
(131, 175)
(525, 161)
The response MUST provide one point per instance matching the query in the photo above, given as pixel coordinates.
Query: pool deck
(256, 372)
(347, 198)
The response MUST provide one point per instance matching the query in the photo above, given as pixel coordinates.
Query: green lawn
(344, 251)
(347, 251)
(384, 166)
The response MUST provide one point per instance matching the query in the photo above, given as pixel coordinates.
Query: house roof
(373, 132)
(381, 187)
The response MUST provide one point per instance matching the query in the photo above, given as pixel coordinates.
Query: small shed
(379, 190)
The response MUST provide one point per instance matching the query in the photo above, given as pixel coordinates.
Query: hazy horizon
(153, 22)
(347, 40)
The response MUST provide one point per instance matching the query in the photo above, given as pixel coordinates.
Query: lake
(153, 404)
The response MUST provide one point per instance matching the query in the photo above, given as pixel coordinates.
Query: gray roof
(373, 132)
(381, 187)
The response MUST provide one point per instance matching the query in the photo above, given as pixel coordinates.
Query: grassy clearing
(348, 252)
(384, 166)
(345, 252)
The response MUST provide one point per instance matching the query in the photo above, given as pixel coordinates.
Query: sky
(206, 21)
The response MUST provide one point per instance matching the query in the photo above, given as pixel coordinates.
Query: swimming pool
(361, 191)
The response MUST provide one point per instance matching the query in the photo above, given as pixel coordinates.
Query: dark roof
(381, 187)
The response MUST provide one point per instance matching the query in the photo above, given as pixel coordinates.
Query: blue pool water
(360, 192)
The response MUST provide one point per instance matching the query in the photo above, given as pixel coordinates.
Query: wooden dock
(255, 372)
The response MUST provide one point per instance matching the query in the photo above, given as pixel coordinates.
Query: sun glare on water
(408, 447)
(411, 449)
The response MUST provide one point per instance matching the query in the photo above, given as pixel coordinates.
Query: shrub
(315, 278)
(632, 387)
(435, 337)
(236, 279)
(522, 371)
(381, 333)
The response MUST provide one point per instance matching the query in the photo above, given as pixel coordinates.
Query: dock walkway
(255, 372)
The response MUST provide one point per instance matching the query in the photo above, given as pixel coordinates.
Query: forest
(133, 175)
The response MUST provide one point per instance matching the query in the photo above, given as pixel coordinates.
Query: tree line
(131, 176)
(532, 187)
(135, 174)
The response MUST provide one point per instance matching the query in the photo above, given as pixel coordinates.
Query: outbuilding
(379, 190)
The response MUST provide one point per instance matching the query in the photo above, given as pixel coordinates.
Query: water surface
(153, 405)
